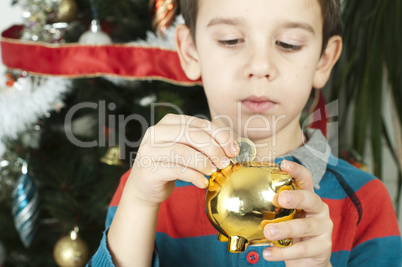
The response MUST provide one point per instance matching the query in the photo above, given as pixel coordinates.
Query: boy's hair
(330, 9)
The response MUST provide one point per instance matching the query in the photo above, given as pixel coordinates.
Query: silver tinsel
(36, 21)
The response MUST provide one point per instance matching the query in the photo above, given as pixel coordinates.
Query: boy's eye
(289, 47)
(231, 43)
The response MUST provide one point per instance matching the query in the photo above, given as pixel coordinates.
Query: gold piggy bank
(242, 199)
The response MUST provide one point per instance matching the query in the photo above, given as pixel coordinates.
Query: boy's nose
(260, 66)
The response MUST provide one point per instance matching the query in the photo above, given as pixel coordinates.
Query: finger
(298, 228)
(152, 157)
(223, 136)
(168, 172)
(301, 175)
(195, 138)
(311, 248)
(154, 191)
(302, 199)
(172, 171)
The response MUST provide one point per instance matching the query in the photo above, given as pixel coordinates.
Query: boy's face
(258, 61)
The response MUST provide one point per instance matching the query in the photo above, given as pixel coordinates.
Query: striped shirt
(365, 229)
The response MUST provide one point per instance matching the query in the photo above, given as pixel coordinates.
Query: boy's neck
(283, 142)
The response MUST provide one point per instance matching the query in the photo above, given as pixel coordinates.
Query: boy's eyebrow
(287, 25)
(299, 25)
(227, 21)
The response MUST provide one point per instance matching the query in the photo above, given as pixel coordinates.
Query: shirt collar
(314, 154)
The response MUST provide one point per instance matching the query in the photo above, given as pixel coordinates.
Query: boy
(258, 61)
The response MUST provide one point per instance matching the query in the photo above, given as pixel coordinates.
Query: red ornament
(9, 80)
(163, 14)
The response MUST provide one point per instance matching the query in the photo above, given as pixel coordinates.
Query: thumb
(301, 175)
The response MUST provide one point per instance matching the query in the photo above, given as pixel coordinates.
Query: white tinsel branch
(24, 104)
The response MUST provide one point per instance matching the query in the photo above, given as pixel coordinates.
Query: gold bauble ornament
(112, 157)
(71, 251)
(243, 198)
(64, 11)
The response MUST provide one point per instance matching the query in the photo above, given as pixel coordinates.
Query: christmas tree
(66, 138)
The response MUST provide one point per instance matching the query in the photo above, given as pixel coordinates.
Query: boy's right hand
(179, 147)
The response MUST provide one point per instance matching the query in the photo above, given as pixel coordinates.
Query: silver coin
(247, 152)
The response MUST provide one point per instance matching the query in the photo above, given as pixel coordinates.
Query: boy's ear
(187, 52)
(327, 61)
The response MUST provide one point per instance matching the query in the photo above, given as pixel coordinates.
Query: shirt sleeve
(102, 257)
(377, 240)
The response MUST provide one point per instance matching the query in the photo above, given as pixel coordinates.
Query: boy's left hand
(311, 233)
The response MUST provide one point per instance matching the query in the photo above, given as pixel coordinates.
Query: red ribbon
(77, 60)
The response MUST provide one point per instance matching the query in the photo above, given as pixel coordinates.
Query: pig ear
(187, 52)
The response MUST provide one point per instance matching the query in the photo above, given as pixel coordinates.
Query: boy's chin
(256, 136)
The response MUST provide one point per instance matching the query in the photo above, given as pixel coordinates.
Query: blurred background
(55, 193)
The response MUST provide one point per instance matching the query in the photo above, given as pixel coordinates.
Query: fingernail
(287, 165)
(288, 197)
(213, 169)
(225, 162)
(290, 165)
(273, 230)
(267, 253)
(235, 149)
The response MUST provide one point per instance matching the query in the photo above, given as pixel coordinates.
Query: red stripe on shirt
(179, 216)
(378, 219)
(343, 214)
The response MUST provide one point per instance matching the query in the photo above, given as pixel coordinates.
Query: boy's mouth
(258, 104)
